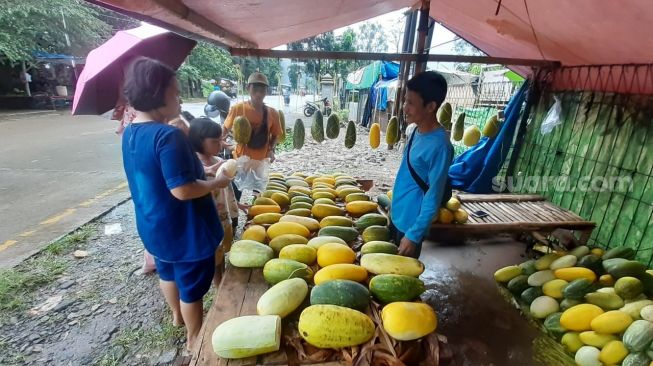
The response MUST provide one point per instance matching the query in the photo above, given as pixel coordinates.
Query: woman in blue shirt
(175, 214)
(421, 180)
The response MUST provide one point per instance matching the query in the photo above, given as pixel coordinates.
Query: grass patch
(286, 144)
(71, 241)
(129, 336)
(17, 286)
(154, 338)
(109, 360)
(208, 300)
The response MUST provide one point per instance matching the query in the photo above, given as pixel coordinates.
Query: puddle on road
(482, 327)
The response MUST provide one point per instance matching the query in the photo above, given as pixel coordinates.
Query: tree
(326, 42)
(293, 74)
(269, 67)
(371, 37)
(38, 25)
(321, 42)
(209, 62)
(462, 47)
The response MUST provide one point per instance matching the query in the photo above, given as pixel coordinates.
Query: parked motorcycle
(311, 107)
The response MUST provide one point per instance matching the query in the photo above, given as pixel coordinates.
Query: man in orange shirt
(266, 127)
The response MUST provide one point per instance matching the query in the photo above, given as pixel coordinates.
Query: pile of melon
(596, 303)
(326, 252)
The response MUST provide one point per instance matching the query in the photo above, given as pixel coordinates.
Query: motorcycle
(311, 107)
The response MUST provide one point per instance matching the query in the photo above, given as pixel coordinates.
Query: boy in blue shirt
(421, 180)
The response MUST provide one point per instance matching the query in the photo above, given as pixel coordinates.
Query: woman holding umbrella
(175, 214)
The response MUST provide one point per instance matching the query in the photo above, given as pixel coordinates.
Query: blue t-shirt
(157, 158)
(412, 210)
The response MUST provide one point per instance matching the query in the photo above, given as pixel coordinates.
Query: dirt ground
(57, 309)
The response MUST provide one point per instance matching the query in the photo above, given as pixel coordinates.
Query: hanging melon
(282, 124)
(242, 130)
(375, 135)
(459, 127)
(491, 127)
(333, 126)
(471, 136)
(350, 135)
(444, 116)
(317, 128)
(298, 134)
(392, 131)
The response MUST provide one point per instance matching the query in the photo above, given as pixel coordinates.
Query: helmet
(220, 101)
(211, 111)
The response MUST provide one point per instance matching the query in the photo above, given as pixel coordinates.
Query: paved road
(56, 172)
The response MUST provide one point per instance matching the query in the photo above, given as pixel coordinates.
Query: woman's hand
(222, 180)
(213, 169)
(243, 207)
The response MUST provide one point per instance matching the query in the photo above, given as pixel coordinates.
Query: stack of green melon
(598, 304)
(303, 235)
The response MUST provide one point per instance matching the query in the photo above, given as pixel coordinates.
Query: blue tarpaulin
(381, 94)
(474, 170)
(366, 77)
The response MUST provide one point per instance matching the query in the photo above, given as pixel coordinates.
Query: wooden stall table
(514, 213)
(237, 296)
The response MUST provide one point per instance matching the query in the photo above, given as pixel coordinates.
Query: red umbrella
(98, 85)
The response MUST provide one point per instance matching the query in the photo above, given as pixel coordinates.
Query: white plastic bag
(552, 118)
(252, 174)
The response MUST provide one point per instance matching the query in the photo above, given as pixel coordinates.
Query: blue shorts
(193, 279)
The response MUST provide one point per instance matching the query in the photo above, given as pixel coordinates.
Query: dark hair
(187, 115)
(203, 128)
(145, 84)
(430, 85)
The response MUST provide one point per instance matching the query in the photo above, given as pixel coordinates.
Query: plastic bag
(552, 118)
(252, 174)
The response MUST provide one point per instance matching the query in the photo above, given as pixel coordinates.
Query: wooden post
(423, 28)
(404, 67)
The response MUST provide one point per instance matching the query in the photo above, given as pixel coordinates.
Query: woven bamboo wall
(602, 134)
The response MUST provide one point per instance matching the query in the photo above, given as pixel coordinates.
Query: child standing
(207, 140)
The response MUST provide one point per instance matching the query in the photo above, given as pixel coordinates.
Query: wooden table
(515, 213)
(237, 296)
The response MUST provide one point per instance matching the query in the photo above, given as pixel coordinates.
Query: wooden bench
(514, 213)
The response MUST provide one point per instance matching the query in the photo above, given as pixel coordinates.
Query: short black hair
(145, 83)
(203, 128)
(430, 85)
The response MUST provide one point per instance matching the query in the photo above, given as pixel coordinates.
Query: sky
(442, 42)
(441, 35)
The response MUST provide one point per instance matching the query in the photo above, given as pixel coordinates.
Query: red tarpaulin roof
(574, 32)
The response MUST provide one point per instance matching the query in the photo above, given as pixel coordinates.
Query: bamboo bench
(514, 213)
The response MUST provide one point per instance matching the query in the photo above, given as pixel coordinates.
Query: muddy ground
(57, 309)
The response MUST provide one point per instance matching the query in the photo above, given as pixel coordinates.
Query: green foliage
(270, 67)
(325, 42)
(371, 38)
(38, 25)
(208, 61)
(72, 241)
(462, 47)
(287, 143)
(18, 286)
